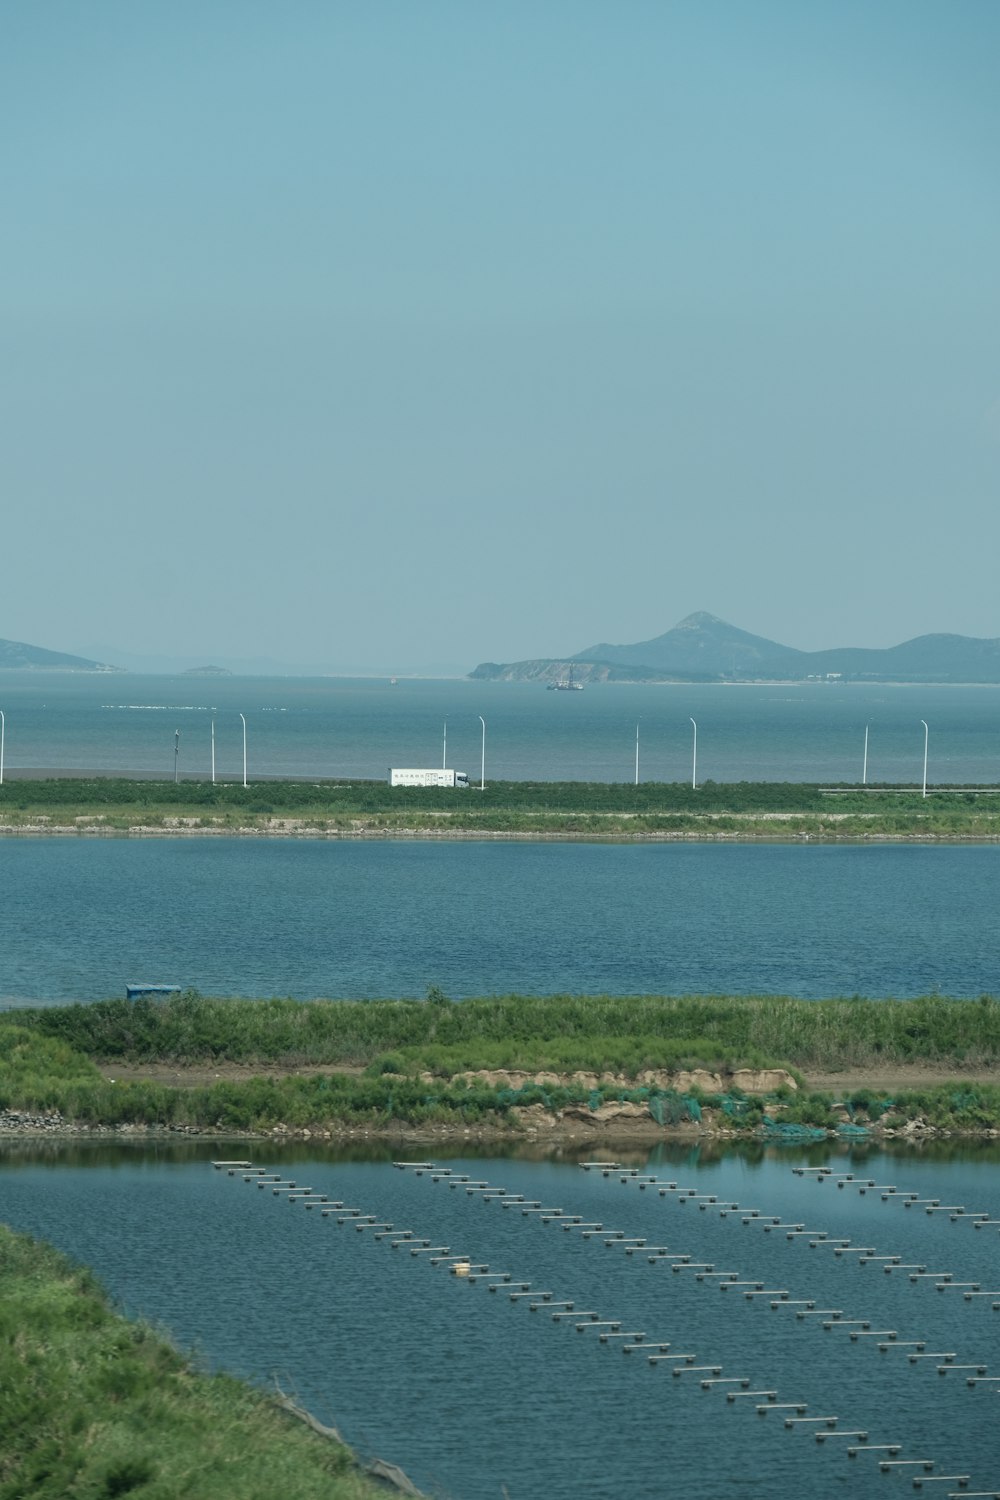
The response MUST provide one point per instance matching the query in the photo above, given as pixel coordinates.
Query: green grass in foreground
(95, 1406)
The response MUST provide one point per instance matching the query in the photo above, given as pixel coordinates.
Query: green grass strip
(95, 1406)
(567, 1032)
(748, 809)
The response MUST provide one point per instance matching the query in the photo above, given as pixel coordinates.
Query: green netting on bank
(874, 1109)
(528, 1093)
(791, 1134)
(666, 1106)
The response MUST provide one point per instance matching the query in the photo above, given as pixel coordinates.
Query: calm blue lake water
(477, 1397)
(83, 917)
(327, 727)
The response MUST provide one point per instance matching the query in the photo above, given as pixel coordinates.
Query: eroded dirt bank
(881, 1080)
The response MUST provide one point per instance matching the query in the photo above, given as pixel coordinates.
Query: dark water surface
(80, 918)
(476, 1396)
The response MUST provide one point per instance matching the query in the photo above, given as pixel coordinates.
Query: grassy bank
(332, 1064)
(562, 1032)
(96, 1406)
(580, 809)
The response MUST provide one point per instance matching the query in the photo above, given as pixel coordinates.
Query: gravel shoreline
(33, 1125)
(451, 835)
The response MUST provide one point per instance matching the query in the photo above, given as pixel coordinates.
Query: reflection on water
(68, 1151)
(473, 1394)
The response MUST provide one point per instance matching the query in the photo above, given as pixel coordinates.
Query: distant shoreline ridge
(703, 648)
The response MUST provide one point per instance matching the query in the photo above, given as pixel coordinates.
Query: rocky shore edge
(625, 1123)
(505, 836)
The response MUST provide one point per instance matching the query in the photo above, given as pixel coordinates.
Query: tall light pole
(244, 750)
(926, 737)
(482, 764)
(637, 753)
(694, 758)
(3, 726)
(213, 752)
(444, 748)
(864, 768)
(177, 746)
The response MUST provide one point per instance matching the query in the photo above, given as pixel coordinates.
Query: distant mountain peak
(699, 620)
(701, 647)
(701, 643)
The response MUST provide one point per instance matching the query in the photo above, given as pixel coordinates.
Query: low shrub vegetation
(567, 1032)
(382, 1063)
(585, 809)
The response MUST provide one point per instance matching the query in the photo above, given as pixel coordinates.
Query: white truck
(425, 777)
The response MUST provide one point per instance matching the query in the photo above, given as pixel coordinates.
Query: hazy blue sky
(402, 334)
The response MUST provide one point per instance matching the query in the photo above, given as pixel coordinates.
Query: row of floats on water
(737, 1388)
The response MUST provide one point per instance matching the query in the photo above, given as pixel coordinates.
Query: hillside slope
(704, 648)
(20, 654)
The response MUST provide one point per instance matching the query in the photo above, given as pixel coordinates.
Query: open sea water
(330, 727)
